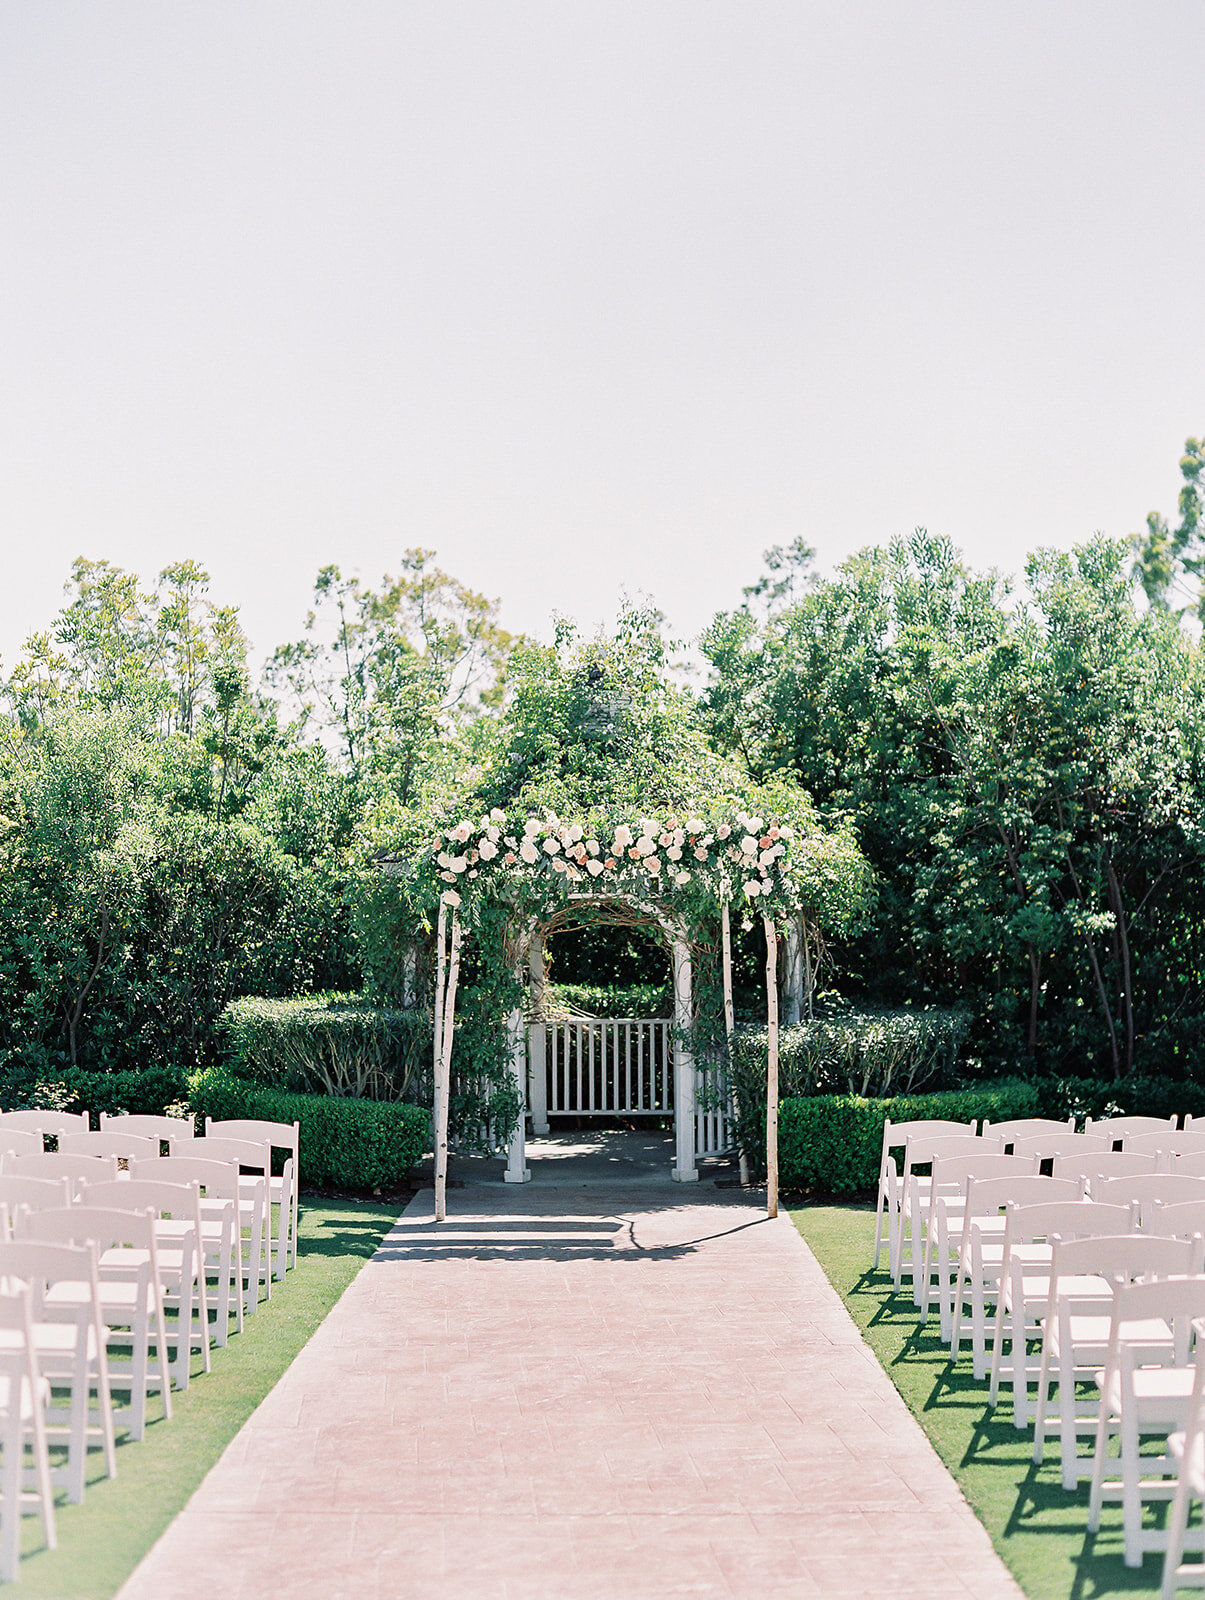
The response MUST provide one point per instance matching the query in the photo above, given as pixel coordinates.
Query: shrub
(599, 1000)
(345, 1142)
(150, 1091)
(833, 1143)
(338, 1044)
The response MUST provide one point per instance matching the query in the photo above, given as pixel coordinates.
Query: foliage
(597, 1000)
(386, 673)
(1169, 562)
(832, 1144)
(1024, 777)
(147, 1091)
(336, 1044)
(347, 1143)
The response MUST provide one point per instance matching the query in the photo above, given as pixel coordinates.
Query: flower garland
(649, 858)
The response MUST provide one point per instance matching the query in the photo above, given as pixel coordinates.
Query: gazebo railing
(616, 1067)
(620, 1066)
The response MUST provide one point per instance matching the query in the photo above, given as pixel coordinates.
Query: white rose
(674, 852)
(652, 866)
(592, 847)
(551, 846)
(529, 852)
(575, 832)
(450, 897)
(665, 840)
(488, 849)
(723, 831)
(695, 825)
(753, 889)
(448, 877)
(647, 825)
(645, 845)
(461, 832)
(767, 858)
(497, 816)
(623, 838)
(749, 845)
(458, 863)
(493, 834)
(681, 878)
(530, 828)
(559, 864)
(700, 855)
(594, 867)
(443, 858)
(756, 824)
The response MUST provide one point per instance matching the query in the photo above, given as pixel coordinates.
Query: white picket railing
(617, 1067)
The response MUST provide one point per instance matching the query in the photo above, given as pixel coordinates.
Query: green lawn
(101, 1541)
(1039, 1528)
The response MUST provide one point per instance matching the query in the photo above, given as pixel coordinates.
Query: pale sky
(586, 296)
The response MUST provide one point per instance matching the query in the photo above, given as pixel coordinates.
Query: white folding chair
(1025, 1283)
(1146, 1189)
(39, 1194)
(1075, 1327)
(1168, 1145)
(217, 1183)
(943, 1222)
(23, 1398)
(1026, 1128)
(1145, 1389)
(46, 1122)
(1100, 1164)
(253, 1163)
(69, 1340)
(981, 1259)
(109, 1142)
(1187, 1448)
(1118, 1129)
(921, 1150)
(146, 1125)
(54, 1164)
(1049, 1146)
(282, 1188)
(887, 1217)
(177, 1210)
(1179, 1221)
(131, 1298)
(20, 1142)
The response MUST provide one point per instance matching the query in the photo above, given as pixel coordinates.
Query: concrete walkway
(616, 1390)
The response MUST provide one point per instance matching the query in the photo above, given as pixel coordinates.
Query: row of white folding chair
(1072, 1156)
(1186, 1448)
(70, 1341)
(24, 1397)
(1075, 1327)
(251, 1260)
(1146, 1387)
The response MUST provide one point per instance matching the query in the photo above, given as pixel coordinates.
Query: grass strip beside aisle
(101, 1541)
(1039, 1528)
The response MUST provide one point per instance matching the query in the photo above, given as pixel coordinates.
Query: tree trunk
(771, 1067)
(447, 1031)
(1127, 982)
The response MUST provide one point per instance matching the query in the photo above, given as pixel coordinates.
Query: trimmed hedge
(344, 1142)
(149, 1091)
(833, 1143)
(875, 1054)
(336, 1044)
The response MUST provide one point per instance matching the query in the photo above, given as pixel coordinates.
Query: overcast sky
(586, 296)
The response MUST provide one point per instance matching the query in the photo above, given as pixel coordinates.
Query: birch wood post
(730, 1020)
(447, 1029)
(437, 1020)
(771, 1067)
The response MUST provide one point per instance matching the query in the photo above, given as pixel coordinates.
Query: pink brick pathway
(547, 1398)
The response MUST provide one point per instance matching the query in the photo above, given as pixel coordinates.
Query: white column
(537, 1042)
(685, 1170)
(517, 1170)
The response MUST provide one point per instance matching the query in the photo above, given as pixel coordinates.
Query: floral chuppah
(675, 872)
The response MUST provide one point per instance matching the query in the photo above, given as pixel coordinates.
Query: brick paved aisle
(548, 1398)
